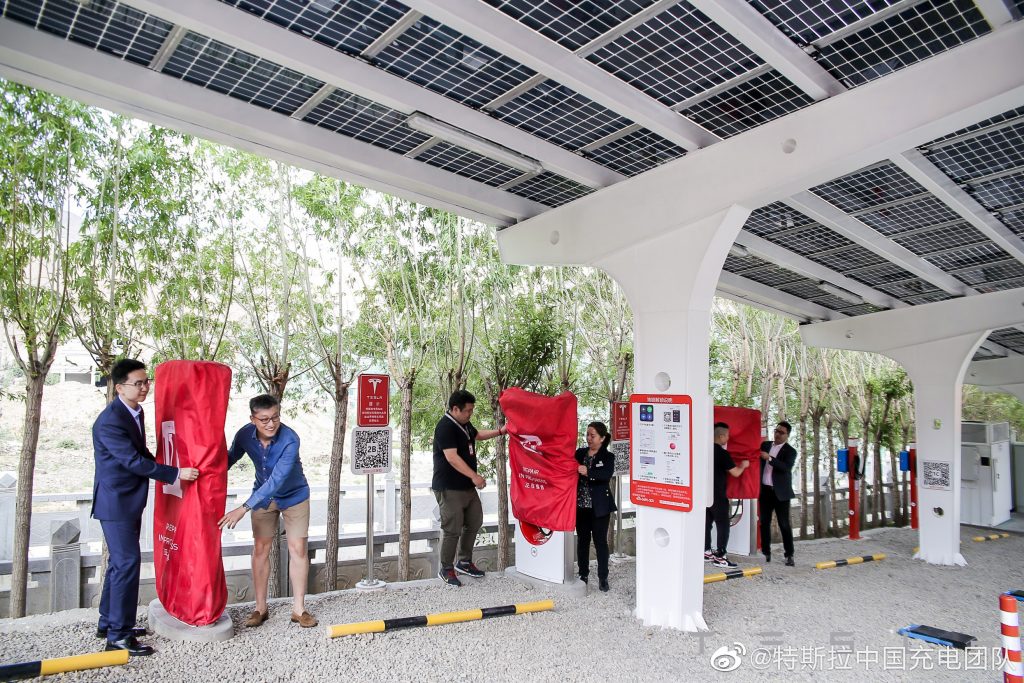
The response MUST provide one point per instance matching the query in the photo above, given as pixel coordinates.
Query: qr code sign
(371, 450)
(935, 475)
(621, 451)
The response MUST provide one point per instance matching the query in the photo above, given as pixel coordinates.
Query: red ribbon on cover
(542, 463)
(191, 407)
(744, 444)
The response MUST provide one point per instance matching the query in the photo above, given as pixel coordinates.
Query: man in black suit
(124, 466)
(777, 460)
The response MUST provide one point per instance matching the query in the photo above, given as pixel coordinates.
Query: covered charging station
(844, 164)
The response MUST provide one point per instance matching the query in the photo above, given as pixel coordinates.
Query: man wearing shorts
(281, 490)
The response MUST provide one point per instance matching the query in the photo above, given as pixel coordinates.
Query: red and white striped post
(1010, 626)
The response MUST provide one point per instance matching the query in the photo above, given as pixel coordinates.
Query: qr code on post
(935, 475)
(371, 450)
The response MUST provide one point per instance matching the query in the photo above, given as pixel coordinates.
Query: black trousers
(588, 526)
(769, 504)
(717, 514)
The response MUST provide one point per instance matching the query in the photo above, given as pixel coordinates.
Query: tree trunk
(829, 443)
(406, 483)
(501, 471)
(276, 380)
(330, 575)
(816, 501)
(23, 505)
(803, 476)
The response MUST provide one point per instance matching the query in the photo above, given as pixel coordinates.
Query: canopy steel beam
(45, 61)
(751, 28)
(497, 30)
(247, 32)
(786, 156)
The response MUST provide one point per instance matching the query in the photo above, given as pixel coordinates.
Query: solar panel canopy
(503, 110)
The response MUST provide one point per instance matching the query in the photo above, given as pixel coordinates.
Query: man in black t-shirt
(718, 513)
(455, 483)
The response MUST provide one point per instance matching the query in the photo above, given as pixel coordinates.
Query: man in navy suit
(777, 460)
(124, 466)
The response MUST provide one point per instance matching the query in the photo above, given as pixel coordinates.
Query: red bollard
(854, 500)
(913, 485)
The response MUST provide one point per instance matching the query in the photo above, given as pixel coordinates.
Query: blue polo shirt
(279, 476)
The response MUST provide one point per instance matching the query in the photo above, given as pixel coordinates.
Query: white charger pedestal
(548, 565)
(162, 623)
(742, 531)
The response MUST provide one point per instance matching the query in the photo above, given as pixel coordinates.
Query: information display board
(661, 451)
(373, 408)
(620, 420)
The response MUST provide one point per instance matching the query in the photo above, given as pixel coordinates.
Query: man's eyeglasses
(140, 384)
(268, 420)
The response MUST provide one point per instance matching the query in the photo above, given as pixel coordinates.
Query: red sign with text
(620, 420)
(661, 451)
(374, 409)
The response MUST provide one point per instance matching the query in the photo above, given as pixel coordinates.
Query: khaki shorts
(296, 521)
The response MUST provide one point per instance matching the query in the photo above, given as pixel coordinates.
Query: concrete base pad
(164, 624)
(573, 588)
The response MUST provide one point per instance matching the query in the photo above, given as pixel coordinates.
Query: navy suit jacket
(782, 470)
(599, 474)
(124, 466)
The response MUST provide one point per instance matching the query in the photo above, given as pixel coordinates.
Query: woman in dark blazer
(594, 502)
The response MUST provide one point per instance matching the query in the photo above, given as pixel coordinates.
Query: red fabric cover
(542, 448)
(744, 443)
(191, 406)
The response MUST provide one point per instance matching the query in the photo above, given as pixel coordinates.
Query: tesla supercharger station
(545, 555)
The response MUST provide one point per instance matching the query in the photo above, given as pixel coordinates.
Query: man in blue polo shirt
(281, 490)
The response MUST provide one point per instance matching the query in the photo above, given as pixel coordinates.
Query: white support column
(934, 343)
(670, 284)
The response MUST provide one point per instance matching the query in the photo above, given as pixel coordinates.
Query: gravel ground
(596, 637)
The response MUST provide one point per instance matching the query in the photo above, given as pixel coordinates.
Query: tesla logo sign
(620, 421)
(374, 406)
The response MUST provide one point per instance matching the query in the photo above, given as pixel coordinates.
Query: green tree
(45, 142)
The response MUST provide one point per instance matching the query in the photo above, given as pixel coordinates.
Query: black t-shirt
(723, 463)
(450, 434)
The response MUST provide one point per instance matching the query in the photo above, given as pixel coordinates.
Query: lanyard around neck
(460, 426)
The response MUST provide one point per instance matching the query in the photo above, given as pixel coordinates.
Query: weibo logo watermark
(728, 658)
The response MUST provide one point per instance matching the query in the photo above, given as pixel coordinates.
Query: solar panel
(986, 287)
(550, 189)
(868, 187)
(879, 275)
(999, 192)
(976, 254)
(898, 218)
(570, 24)
(811, 239)
(773, 218)
(468, 164)
(809, 290)
(926, 29)
(997, 119)
(984, 154)
(104, 25)
(675, 55)
(447, 62)
(774, 276)
(1013, 219)
(906, 289)
(928, 298)
(759, 100)
(738, 264)
(862, 309)
(1010, 269)
(951, 236)
(1009, 337)
(636, 152)
(809, 20)
(349, 26)
(217, 66)
(842, 260)
(560, 115)
(363, 119)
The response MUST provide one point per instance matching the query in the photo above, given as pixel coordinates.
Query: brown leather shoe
(256, 618)
(305, 620)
